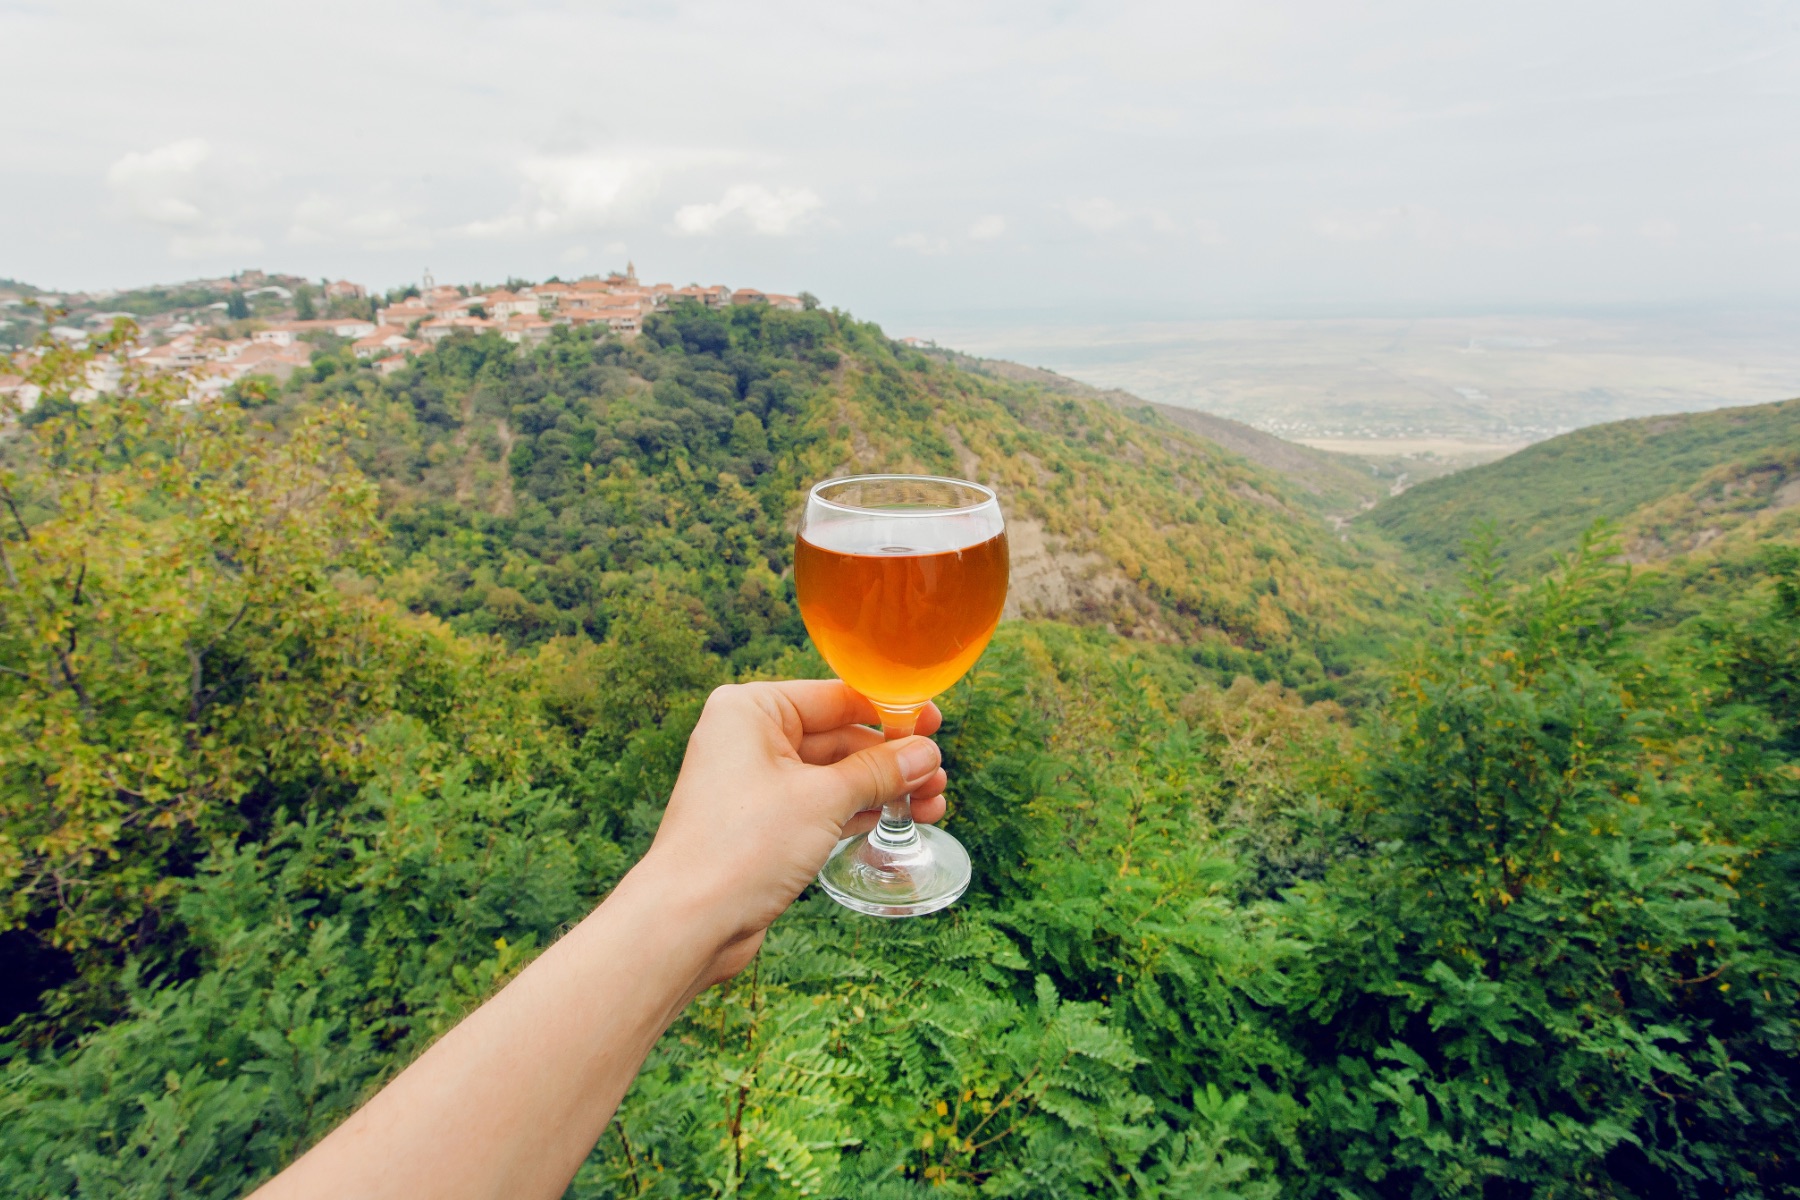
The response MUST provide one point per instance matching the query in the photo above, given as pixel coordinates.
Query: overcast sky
(923, 161)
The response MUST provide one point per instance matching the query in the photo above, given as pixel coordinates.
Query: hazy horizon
(1481, 381)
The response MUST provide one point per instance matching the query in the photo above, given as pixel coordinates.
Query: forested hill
(325, 707)
(1333, 484)
(533, 494)
(1712, 482)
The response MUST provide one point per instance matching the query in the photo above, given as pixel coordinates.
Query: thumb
(869, 778)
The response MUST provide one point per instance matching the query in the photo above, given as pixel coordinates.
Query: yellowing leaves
(184, 628)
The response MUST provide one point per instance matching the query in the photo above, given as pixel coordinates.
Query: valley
(1315, 855)
(1423, 396)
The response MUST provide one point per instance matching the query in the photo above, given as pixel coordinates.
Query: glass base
(887, 876)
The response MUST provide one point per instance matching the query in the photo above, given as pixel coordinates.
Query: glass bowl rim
(989, 496)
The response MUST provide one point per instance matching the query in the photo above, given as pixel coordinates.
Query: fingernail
(917, 758)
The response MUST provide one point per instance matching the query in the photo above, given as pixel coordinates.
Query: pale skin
(510, 1101)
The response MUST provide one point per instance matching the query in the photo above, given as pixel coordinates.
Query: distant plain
(1432, 394)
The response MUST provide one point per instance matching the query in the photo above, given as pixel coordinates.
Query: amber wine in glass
(901, 579)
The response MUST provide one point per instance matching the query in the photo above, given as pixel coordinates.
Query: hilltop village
(218, 331)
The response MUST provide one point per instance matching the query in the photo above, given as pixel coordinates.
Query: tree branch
(12, 506)
(1706, 978)
(74, 681)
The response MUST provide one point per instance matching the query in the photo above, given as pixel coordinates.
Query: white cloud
(772, 212)
(1422, 225)
(155, 184)
(165, 187)
(1343, 226)
(582, 190)
(1263, 117)
(1758, 231)
(212, 245)
(1097, 213)
(1164, 118)
(324, 220)
(589, 190)
(1102, 215)
(1657, 229)
(992, 225)
(922, 243)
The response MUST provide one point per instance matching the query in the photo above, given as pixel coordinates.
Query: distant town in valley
(215, 332)
(1418, 395)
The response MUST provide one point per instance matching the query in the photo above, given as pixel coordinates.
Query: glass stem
(895, 829)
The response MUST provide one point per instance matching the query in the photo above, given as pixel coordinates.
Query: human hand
(775, 775)
(511, 1100)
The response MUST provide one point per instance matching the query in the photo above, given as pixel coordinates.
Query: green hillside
(326, 707)
(1333, 484)
(532, 495)
(1674, 484)
(1753, 498)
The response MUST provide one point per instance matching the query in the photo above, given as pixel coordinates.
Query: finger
(925, 812)
(823, 749)
(822, 704)
(927, 797)
(828, 746)
(929, 812)
(871, 777)
(932, 787)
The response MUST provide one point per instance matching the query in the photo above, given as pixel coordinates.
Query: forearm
(512, 1100)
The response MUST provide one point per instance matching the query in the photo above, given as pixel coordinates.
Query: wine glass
(901, 579)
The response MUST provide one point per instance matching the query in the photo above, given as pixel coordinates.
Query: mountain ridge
(1708, 482)
(634, 465)
(1340, 485)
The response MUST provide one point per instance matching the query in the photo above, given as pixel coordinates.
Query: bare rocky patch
(1052, 579)
(505, 503)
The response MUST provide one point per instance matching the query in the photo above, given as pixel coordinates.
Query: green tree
(160, 563)
(186, 641)
(1543, 973)
(654, 658)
